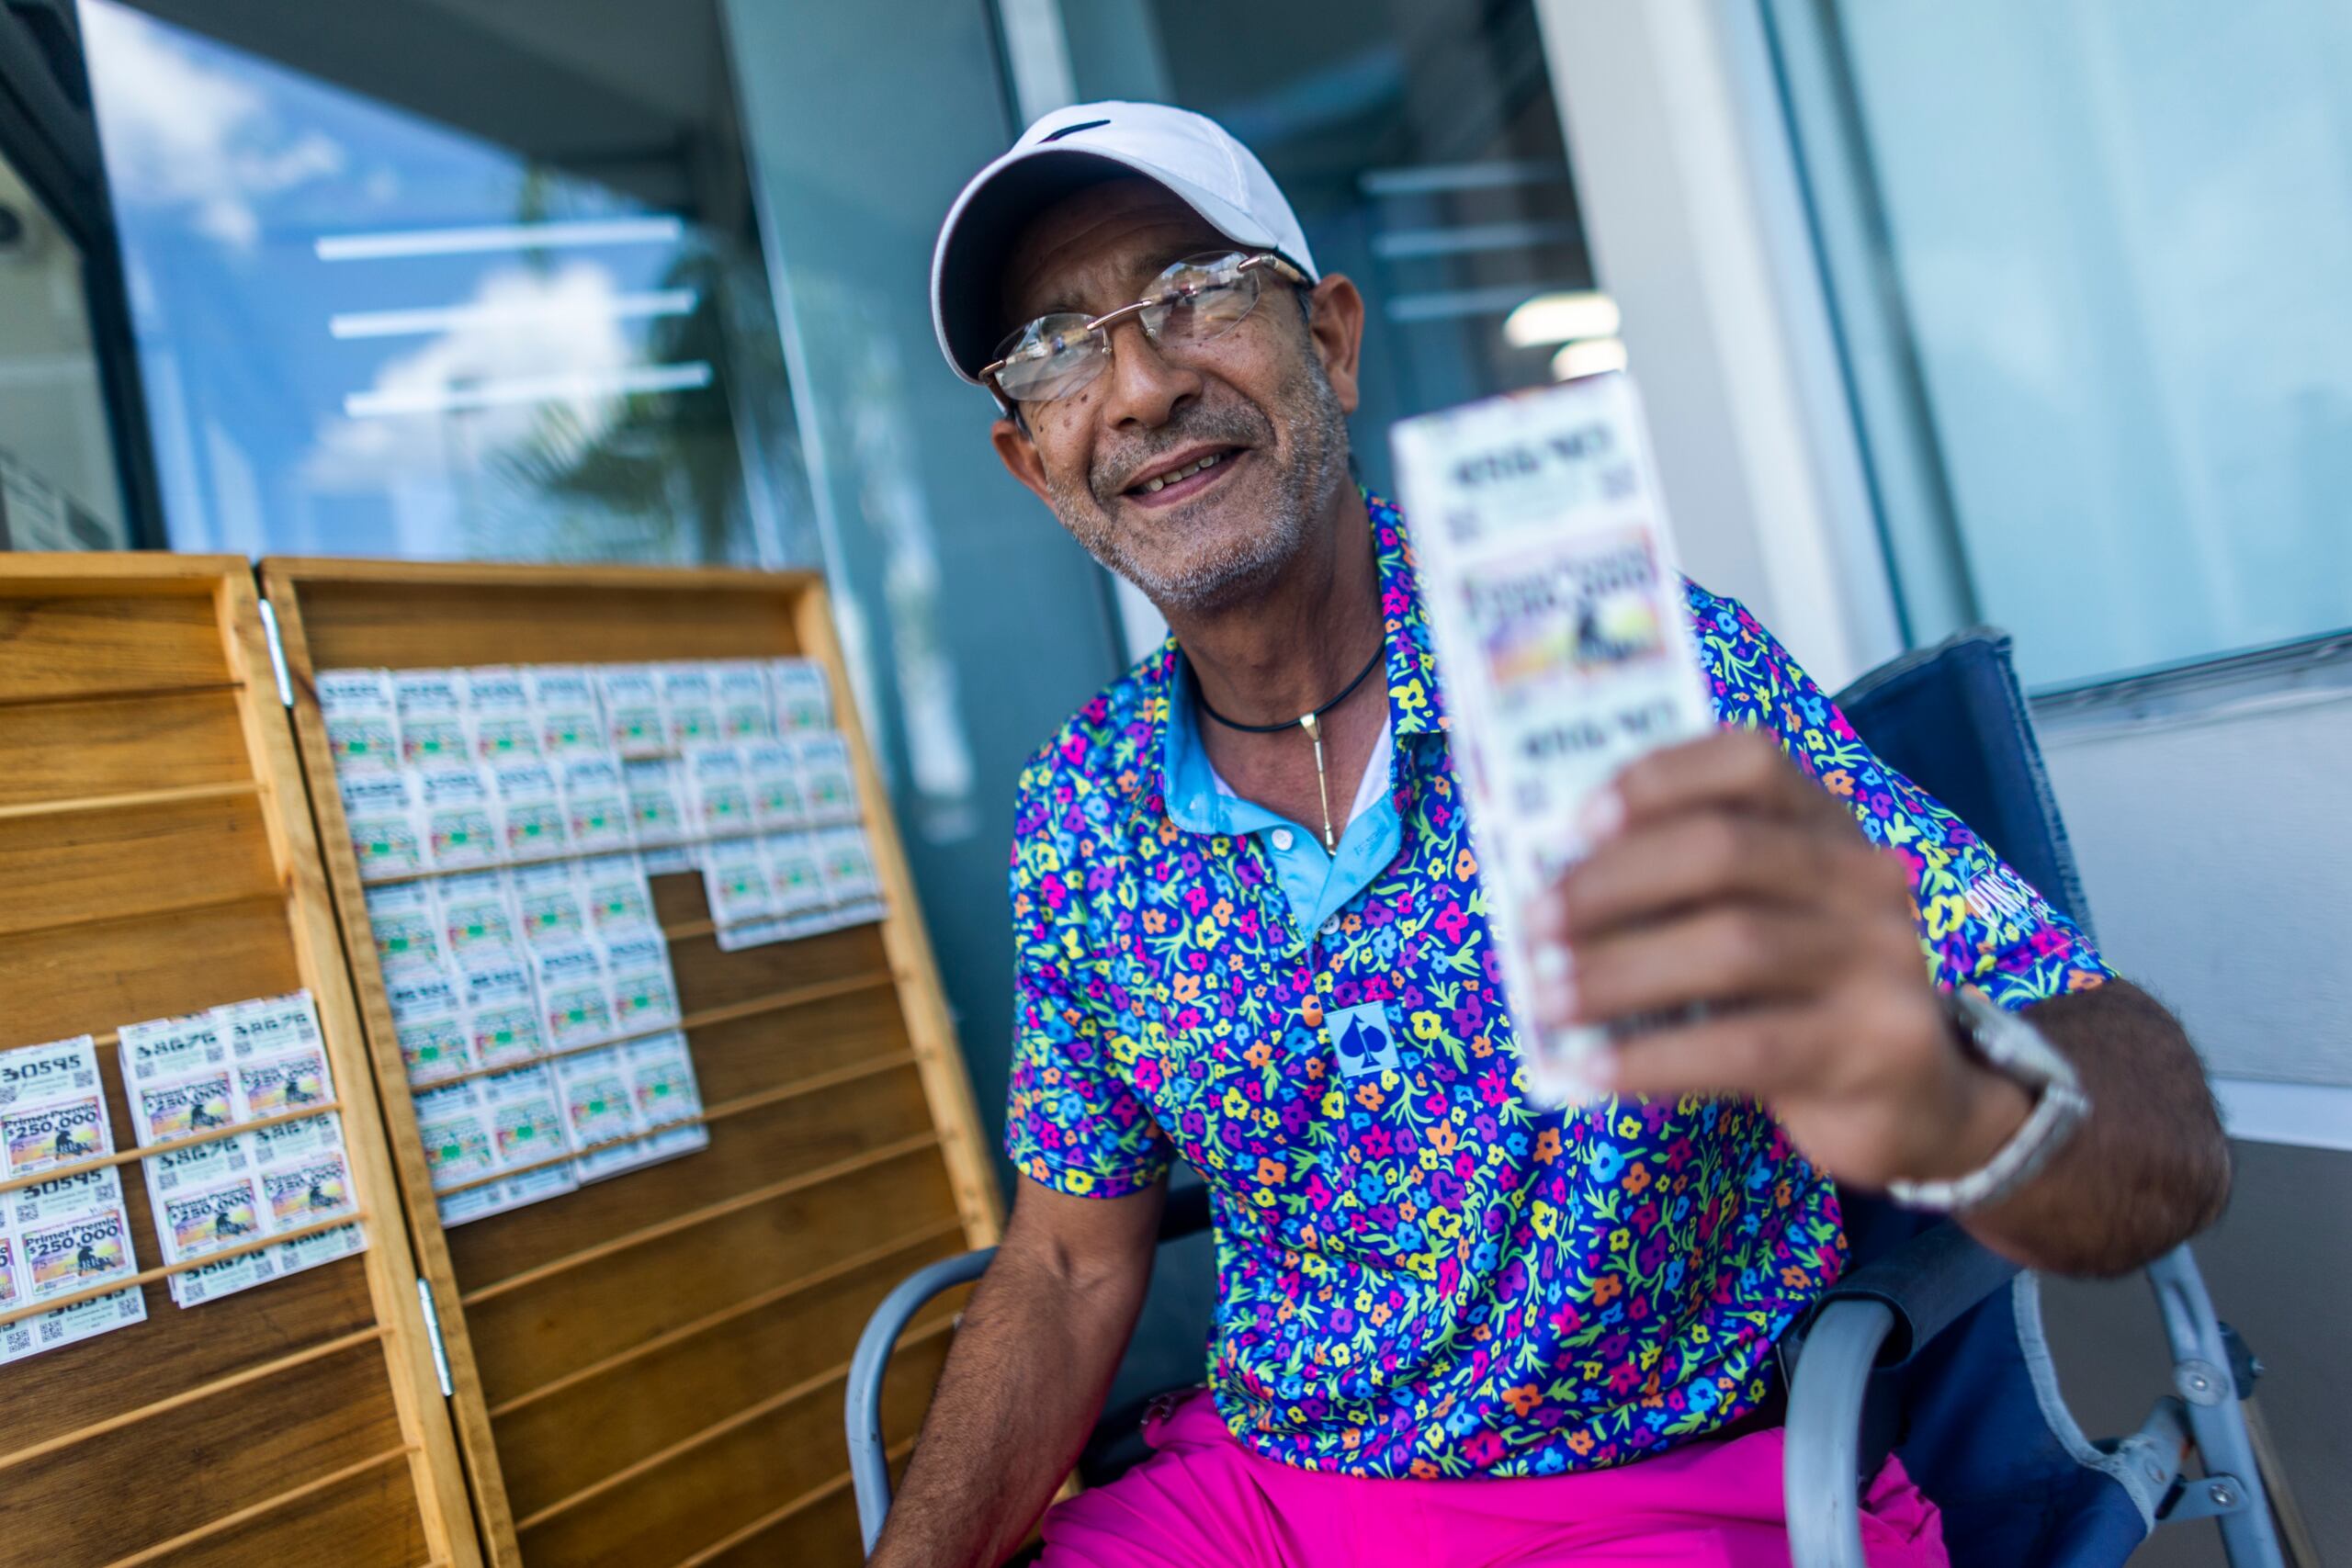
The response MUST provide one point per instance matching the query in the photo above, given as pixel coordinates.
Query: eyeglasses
(1194, 300)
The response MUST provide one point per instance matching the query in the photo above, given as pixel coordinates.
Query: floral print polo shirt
(1421, 1273)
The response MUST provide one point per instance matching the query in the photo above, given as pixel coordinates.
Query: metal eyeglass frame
(1100, 325)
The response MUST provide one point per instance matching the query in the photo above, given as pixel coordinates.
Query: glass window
(58, 484)
(1419, 143)
(2116, 243)
(480, 289)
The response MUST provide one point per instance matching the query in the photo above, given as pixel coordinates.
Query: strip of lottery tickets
(64, 1235)
(1557, 612)
(249, 1061)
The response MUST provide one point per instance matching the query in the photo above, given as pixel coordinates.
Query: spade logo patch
(1363, 1039)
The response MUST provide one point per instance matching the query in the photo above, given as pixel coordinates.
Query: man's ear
(1018, 453)
(1335, 322)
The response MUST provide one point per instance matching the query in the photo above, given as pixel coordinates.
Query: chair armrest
(869, 1462)
(1876, 1317)
(1820, 1462)
(1928, 1282)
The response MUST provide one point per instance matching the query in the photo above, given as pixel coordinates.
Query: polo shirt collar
(1416, 703)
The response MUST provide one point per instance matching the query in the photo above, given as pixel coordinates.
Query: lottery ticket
(362, 723)
(644, 993)
(798, 696)
(405, 919)
(458, 804)
(419, 993)
(477, 915)
(595, 804)
(434, 1047)
(387, 835)
(165, 1048)
(1557, 613)
(718, 793)
(599, 1113)
(547, 907)
(846, 860)
(570, 720)
(60, 1198)
(796, 875)
(616, 897)
(669, 1101)
(524, 1109)
(530, 810)
(52, 1108)
(77, 1251)
(828, 787)
(657, 808)
(745, 712)
(774, 778)
(271, 1026)
(735, 880)
(575, 1004)
(689, 706)
(451, 1125)
(497, 714)
(290, 1141)
(431, 704)
(630, 695)
(293, 1080)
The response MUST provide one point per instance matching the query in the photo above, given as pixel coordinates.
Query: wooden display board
(157, 857)
(649, 1370)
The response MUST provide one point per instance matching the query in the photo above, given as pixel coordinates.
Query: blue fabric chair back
(1963, 1411)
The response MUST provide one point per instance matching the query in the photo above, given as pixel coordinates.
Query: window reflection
(365, 331)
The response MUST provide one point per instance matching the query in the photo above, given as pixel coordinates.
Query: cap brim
(967, 268)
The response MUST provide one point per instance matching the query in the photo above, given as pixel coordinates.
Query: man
(1452, 1326)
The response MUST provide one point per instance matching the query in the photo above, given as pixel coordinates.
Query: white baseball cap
(1067, 151)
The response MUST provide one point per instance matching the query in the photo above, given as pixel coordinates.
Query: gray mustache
(1114, 472)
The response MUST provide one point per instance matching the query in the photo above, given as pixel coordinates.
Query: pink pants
(1204, 1499)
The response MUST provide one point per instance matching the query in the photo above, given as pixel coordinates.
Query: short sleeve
(1980, 923)
(1072, 1122)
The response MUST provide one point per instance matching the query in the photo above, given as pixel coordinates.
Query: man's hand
(1722, 876)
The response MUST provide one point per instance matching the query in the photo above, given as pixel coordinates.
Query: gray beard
(1304, 489)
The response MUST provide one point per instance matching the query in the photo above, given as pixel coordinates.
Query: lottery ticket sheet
(259, 1060)
(1556, 608)
(66, 1233)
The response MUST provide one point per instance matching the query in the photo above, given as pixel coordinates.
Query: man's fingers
(1698, 858)
(1754, 1052)
(1736, 770)
(1734, 954)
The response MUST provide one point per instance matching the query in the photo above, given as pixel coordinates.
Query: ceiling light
(1561, 317)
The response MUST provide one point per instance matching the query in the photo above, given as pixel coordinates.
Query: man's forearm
(1032, 1362)
(2148, 1170)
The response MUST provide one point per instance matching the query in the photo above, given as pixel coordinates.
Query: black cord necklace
(1312, 723)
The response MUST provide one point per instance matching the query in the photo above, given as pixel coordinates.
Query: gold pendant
(1322, 786)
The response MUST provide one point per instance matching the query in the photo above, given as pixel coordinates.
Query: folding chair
(1931, 1347)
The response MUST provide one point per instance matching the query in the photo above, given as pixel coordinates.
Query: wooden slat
(559, 1446)
(61, 1392)
(816, 1530)
(676, 1278)
(374, 1511)
(744, 1054)
(198, 1463)
(111, 866)
(710, 980)
(745, 1152)
(104, 747)
(230, 1527)
(84, 978)
(671, 1510)
(64, 635)
(124, 800)
(613, 616)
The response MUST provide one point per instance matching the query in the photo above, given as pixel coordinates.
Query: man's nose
(1146, 388)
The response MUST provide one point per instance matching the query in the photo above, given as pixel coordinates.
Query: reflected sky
(363, 331)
